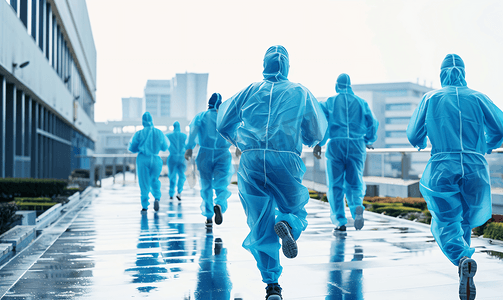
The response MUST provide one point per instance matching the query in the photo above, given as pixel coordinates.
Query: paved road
(104, 249)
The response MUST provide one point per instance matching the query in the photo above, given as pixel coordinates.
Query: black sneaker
(218, 214)
(340, 228)
(143, 211)
(209, 223)
(466, 270)
(179, 197)
(273, 292)
(288, 243)
(170, 197)
(156, 205)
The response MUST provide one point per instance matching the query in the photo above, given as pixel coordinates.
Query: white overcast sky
(373, 41)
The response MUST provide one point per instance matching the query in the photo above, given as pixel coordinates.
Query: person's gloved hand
(188, 154)
(238, 152)
(317, 151)
(370, 147)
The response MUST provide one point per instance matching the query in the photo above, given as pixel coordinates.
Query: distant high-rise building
(157, 95)
(132, 108)
(190, 94)
(393, 104)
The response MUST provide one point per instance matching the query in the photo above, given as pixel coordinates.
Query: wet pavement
(105, 249)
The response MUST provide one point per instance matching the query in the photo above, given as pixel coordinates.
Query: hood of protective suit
(176, 126)
(276, 64)
(343, 84)
(215, 101)
(146, 120)
(452, 71)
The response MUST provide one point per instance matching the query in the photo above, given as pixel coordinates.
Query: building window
(13, 3)
(398, 120)
(398, 106)
(47, 19)
(394, 93)
(165, 105)
(396, 134)
(23, 12)
(151, 103)
(41, 19)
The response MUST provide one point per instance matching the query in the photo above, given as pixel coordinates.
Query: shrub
(7, 216)
(395, 210)
(481, 229)
(30, 187)
(416, 202)
(494, 231)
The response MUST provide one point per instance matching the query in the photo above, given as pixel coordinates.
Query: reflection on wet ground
(108, 250)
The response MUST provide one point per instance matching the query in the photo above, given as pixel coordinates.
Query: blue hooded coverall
(214, 161)
(269, 121)
(351, 126)
(147, 143)
(176, 160)
(462, 125)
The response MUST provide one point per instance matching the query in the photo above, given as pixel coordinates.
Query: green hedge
(395, 210)
(7, 216)
(494, 231)
(28, 199)
(30, 187)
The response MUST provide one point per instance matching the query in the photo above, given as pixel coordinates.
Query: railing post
(124, 171)
(102, 171)
(382, 164)
(405, 166)
(114, 168)
(92, 172)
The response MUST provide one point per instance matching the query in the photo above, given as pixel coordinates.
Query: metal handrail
(306, 151)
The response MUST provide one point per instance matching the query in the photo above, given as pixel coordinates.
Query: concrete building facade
(47, 87)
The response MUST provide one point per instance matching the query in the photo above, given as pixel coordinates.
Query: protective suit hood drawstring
(146, 120)
(452, 71)
(343, 84)
(276, 64)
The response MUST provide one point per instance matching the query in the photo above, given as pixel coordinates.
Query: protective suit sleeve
(416, 130)
(493, 124)
(134, 142)
(228, 119)
(314, 124)
(194, 131)
(372, 125)
(323, 106)
(164, 142)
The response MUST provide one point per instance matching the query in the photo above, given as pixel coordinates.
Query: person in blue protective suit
(176, 162)
(352, 127)
(214, 161)
(147, 143)
(462, 126)
(269, 121)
